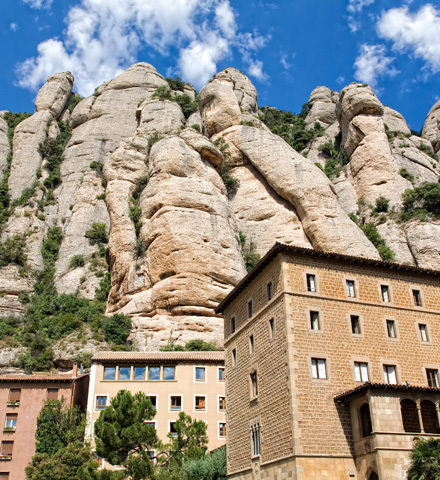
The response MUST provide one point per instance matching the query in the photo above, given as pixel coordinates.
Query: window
(139, 373)
(101, 402)
(52, 394)
(311, 284)
(251, 345)
(232, 324)
(7, 448)
(319, 368)
(169, 373)
(200, 402)
(269, 289)
(423, 329)
(221, 404)
(249, 309)
(271, 328)
(234, 357)
(109, 373)
(173, 430)
(391, 328)
(432, 375)
(417, 298)
(11, 421)
(255, 431)
(4, 476)
(315, 324)
(355, 324)
(389, 374)
(366, 427)
(124, 373)
(254, 385)
(385, 290)
(221, 374)
(14, 395)
(153, 373)
(152, 424)
(222, 429)
(200, 374)
(176, 402)
(351, 292)
(361, 371)
(153, 400)
(410, 416)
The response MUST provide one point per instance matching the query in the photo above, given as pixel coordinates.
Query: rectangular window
(153, 400)
(109, 373)
(391, 328)
(11, 421)
(251, 345)
(234, 357)
(173, 430)
(153, 373)
(152, 424)
(139, 373)
(423, 332)
(417, 298)
(254, 385)
(169, 373)
(176, 402)
(200, 402)
(355, 325)
(389, 374)
(14, 395)
(222, 429)
(249, 309)
(124, 373)
(232, 324)
(221, 404)
(351, 291)
(432, 375)
(221, 374)
(4, 476)
(271, 328)
(319, 368)
(311, 284)
(52, 394)
(269, 291)
(101, 402)
(315, 324)
(255, 430)
(200, 374)
(385, 290)
(361, 371)
(7, 448)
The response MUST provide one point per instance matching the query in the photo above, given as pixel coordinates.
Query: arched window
(429, 417)
(410, 417)
(366, 428)
(373, 476)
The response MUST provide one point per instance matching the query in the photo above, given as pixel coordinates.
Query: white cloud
(418, 33)
(373, 63)
(38, 4)
(103, 37)
(14, 27)
(357, 5)
(256, 70)
(340, 80)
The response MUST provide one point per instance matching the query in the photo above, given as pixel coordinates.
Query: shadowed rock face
(174, 246)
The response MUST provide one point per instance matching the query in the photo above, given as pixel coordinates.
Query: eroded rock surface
(431, 128)
(54, 94)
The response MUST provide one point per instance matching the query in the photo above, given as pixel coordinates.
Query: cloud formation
(418, 33)
(14, 27)
(103, 37)
(373, 63)
(355, 7)
(38, 4)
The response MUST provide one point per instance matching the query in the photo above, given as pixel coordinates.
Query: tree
(210, 467)
(425, 460)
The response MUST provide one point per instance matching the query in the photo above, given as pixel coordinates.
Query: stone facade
(355, 322)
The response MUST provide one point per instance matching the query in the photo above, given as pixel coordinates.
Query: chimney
(75, 370)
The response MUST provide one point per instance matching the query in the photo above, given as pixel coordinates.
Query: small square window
(222, 429)
(269, 289)
(153, 373)
(271, 328)
(254, 385)
(355, 324)
(251, 345)
(4, 476)
(385, 290)
(101, 402)
(234, 357)
(109, 373)
(152, 424)
(14, 395)
(200, 374)
(221, 404)
(389, 373)
(176, 403)
(153, 400)
(432, 376)
(315, 323)
(173, 430)
(221, 374)
(169, 373)
(417, 298)
(311, 283)
(124, 373)
(232, 324)
(351, 290)
(11, 421)
(52, 394)
(200, 403)
(319, 369)
(361, 371)
(391, 329)
(139, 373)
(249, 309)
(6, 450)
(423, 329)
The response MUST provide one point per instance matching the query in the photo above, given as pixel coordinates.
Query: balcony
(8, 429)
(15, 403)
(5, 457)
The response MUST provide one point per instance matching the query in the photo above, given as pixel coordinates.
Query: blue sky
(287, 48)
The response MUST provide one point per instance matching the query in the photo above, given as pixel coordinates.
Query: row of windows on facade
(351, 290)
(15, 395)
(156, 373)
(175, 402)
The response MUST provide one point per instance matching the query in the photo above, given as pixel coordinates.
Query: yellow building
(332, 366)
(190, 382)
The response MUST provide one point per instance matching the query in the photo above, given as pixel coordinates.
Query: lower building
(332, 366)
(21, 399)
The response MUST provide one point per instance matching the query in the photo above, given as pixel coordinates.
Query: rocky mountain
(153, 198)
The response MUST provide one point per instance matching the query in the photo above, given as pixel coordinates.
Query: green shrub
(231, 183)
(77, 261)
(101, 293)
(97, 234)
(250, 256)
(421, 201)
(51, 244)
(117, 328)
(101, 196)
(162, 93)
(375, 238)
(405, 174)
(195, 126)
(74, 102)
(382, 204)
(332, 166)
(13, 251)
(187, 105)
(175, 83)
(425, 149)
(8, 327)
(97, 166)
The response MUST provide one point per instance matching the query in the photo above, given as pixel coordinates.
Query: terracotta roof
(39, 378)
(383, 386)
(180, 357)
(310, 252)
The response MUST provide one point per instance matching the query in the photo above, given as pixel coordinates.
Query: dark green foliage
(231, 183)
(97, 234)
(101, 196)
(425, 149)
(425, 460)
(8, 326)
(98, 166)
(74, 102)
(51, 244)
(24, 198)
(192, 346)
(135, 217)
(291, 127)
(187, 105)
(13, 251)
(140, 185)
(250, 256)
(77, 261)
(248, 123)
(176, 83)
(140, 247)
(83, 358)
(172, 347)
(39, 355)
(162, 93)
(117, 328)
(332, 166)
(405, 174)
(136, 212)
(196, 127)
(373, 235)
(209, 467)
(421, 201)
(382, 204)
(101, 293)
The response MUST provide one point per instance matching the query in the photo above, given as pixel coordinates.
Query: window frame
(348, 291)
(124, 367)
(255, 431)
(51, 391)
(392, 321)
(253, 385)
(434, 373)
(233, 324)
(219, 397)
(7, 442)
(172, 422)
(251, 344)
(250, 308)
(170, 402)
(148, 373)
(163, 367)
(359, 322)
(269, 291)
(317, 358)
(386, 374)
(311, 276)
(420, 303)
(271, 324)
(200, 395)
(155, 397)
(387, 286)
(221, 380)
(219, 423)
(134, 373)
(106, 396)
(310, 312)
(104, 368)
(14, 390)
(427, 333)
(205, 372)
(359, 364)
(14, 426)
(234, 357)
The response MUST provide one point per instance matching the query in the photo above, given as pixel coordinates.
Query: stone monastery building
(332, 366)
